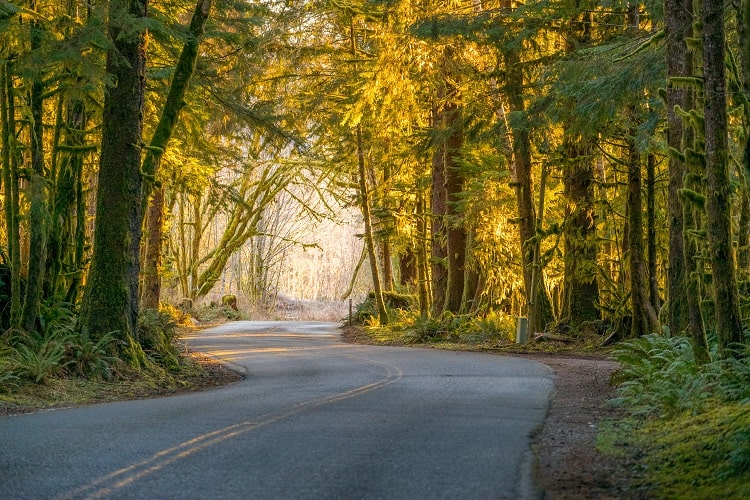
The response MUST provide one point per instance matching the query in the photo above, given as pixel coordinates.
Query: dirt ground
(569, 465)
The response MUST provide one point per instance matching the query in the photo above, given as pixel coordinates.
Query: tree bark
(743, 236)
(644, 316)
(581, 288)
(369, 237)
(454, 185)
(539, 307)
(438, 211)
(423, 291)
(684, 275)
(653, 277)
(159, 142)
(679, 25)
(37, 195)
(110, 301)
(10, 181)
(65, 200)
(718, 203)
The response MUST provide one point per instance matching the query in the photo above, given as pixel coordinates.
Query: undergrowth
(58, 357)
(409, 328)
(691, 422)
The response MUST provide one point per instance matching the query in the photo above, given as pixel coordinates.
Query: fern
(92, 358)
(39, 361)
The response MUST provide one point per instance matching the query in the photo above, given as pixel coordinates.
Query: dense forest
(569, 162)
(582, 165)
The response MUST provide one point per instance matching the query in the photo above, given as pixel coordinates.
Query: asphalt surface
(314, 418)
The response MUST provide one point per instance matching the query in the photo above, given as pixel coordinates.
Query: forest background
(557, 161)
(582, 165)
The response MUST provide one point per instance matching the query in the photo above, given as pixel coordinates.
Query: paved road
(314, 418)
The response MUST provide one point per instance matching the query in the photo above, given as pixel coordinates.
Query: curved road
(314, 418)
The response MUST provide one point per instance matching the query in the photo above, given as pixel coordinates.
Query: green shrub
(393, 301)
(212, 312)
(94, 358)
(37, 358)
(157, 335)
(8, 377)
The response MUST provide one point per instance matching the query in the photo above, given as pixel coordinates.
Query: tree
(644, 316)
(683, 309)
(718, 202)
(167, 122)
(581, 287)
(110, 301)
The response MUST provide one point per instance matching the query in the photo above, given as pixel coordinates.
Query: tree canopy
(506, 158)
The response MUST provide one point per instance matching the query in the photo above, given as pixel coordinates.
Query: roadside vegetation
(690, 421)
(60, 365)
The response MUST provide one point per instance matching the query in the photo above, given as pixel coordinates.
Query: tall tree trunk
(685, 269)
(65, 200)
(581, 289)
(364, 199)
(718, 203)
(167, 122)
(421, 258)
(37, 195)
(653, 277)
(580, 286)
(454, 186)
(110, 302)
(743, 236)
(439, 211)
(694, 272)
(644, 316)
(679, 26)
(10, 182)
(539, 307)
(152, 264)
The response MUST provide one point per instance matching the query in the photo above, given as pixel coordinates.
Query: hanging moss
(693, 197)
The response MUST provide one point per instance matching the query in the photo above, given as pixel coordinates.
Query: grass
(690, 423)
(693, 456)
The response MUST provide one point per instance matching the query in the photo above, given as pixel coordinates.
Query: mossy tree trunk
(678, 26)
(581, 289)
(743, 236)
(644, 316)
(539, 307)
(454, 186)
(718, 202)
(438, 213)
(110, 301)
(364, 200)
(168, 120)
(37, 194)
(10, 182)
(423, 291)
(651, 244)
(66, 202)
(580, 286)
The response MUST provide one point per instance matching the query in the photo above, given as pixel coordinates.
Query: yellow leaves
(182, 169)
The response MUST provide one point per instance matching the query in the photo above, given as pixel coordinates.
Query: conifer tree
(718, 202)
(111, 299)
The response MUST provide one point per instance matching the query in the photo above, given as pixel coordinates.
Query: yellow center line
(106, 485)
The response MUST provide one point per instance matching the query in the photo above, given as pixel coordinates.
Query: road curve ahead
(314, 418)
